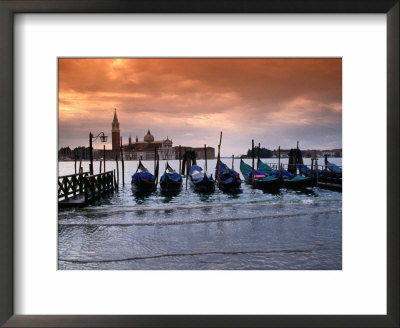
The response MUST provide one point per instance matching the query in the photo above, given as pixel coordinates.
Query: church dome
(148, 137)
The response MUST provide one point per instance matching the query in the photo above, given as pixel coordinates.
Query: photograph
(220, 163)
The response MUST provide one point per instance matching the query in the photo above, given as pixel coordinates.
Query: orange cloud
(275, 101)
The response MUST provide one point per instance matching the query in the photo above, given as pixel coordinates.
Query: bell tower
(115, 133)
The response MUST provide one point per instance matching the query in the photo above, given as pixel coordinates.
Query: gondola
(261, 179)
(229, 179)
(201, 181)
(326, 176)
(288, 179)
(170, 180)
(143, 180)
(337, 170)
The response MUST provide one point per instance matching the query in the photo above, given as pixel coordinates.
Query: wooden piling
(219, 158)
(75, 161)
(180, 156)
(155, 159)
(205, 157)
(279, 160)
(156, 169)
(233, 158)
(122, 165)
(252, 162)
(258, 156)
(187, 171)
(80, 166)
(116, 163)
(104, 157)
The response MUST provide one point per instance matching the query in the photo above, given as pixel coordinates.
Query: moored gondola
(319, 175)
(228, 179)
(288, 179)
(143, 180)
(258, 178)
(335, 169)
(170, 181)
(201, 181)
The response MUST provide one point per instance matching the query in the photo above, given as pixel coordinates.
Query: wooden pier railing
(72, 184)
(79, 189)
(98, 184)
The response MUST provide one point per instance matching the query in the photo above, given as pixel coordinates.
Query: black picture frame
(10, 7)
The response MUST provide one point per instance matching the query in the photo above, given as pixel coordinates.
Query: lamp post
(103, 138)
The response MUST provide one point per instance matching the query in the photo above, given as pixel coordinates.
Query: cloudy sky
(273, 101)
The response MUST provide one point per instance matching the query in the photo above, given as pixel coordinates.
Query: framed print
(117, 106)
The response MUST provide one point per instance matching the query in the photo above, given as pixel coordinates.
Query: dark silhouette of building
(115, 132)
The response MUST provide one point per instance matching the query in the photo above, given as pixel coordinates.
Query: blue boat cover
(334, 168)
(303, 169)
(197, 174)
(226, 174)
(286, 175)
(306, 170)
(227, 180)
(173, 176)
(258, 174)
(144, 176)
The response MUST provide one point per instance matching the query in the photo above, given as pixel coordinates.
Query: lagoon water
(250, 230)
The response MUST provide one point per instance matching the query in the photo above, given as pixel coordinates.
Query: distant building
(307, 153)
(146, 149)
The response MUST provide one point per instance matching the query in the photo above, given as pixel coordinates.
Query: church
(145, 149)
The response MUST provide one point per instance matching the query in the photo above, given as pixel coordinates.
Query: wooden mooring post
(219, 159)
(187, 171)
(252, 162)
(104, 157)
(122, 165)
(279, 160)
(205, 157)
(75, 161)
(116, 163)
(180, 157)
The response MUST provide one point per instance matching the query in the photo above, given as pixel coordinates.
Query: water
(249, 230)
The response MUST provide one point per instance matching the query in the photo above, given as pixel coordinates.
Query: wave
(144, 208)
(198, 221)
(284, 251)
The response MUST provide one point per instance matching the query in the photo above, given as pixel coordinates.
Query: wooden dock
(80, 189)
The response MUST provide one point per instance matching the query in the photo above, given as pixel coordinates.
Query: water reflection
(169, 196)
(272, 192)
(306, 191)
(205, 196)
(233, 194)
(141, 196)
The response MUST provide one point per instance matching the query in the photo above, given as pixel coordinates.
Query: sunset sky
(273, 101)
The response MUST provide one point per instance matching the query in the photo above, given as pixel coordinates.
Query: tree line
(264, 153)
(80, 153)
